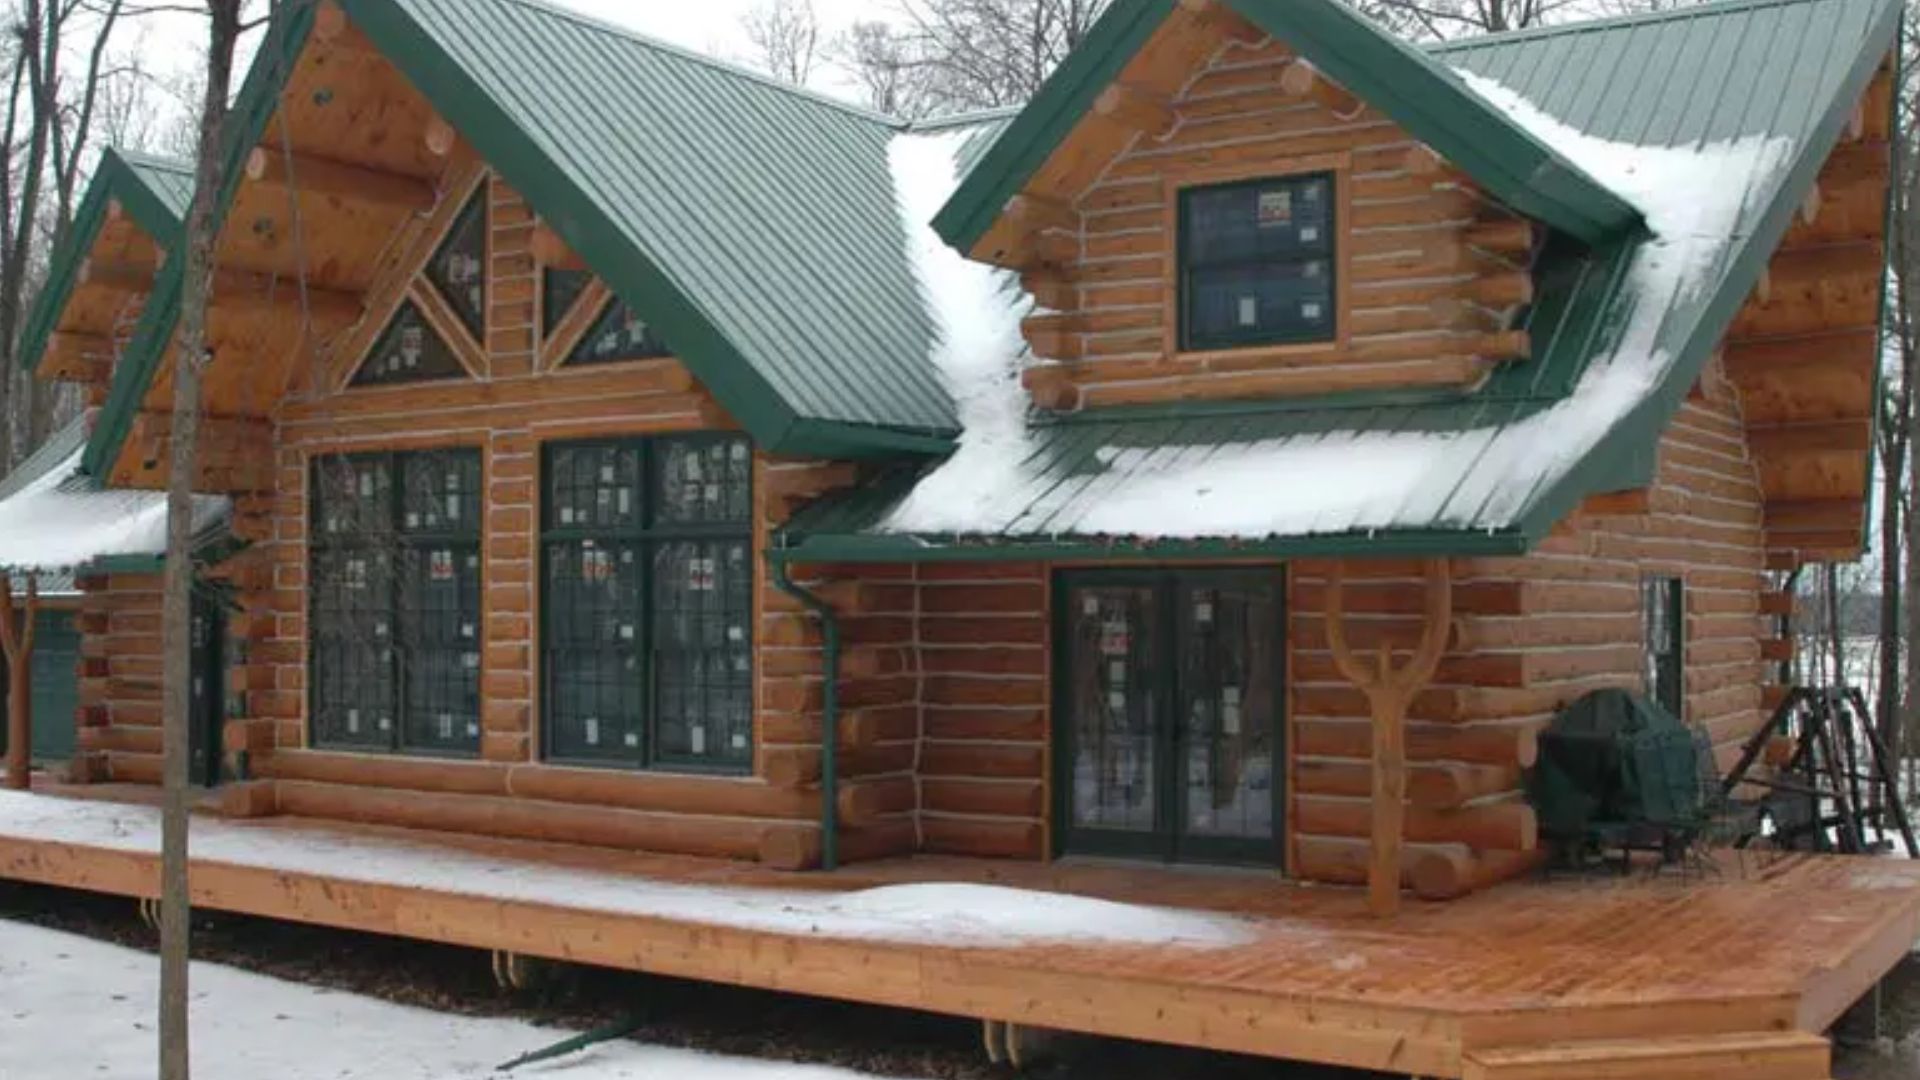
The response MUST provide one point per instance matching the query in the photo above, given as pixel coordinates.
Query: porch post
(17, 643)
(1389, 692)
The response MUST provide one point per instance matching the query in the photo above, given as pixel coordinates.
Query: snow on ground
(61, 520)
(975, 916)
(72, 1008)
(1692, 197)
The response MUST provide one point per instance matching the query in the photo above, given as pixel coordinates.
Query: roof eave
(1391, 543)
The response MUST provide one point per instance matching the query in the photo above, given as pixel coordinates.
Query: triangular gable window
(408, 351)
(618, 335)
(563, 289)
(459, 268)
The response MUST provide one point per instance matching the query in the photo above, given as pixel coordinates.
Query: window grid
(396, 602)
(647, 603)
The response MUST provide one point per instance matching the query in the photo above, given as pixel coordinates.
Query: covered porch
(1732, 969)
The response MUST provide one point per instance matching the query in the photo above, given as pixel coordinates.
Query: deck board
(1756, 947)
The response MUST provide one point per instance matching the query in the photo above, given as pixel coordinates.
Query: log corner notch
(16, 640)
(1389, 691)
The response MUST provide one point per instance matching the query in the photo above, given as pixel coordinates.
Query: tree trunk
(190, 362)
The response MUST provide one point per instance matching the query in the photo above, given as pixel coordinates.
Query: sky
(169, 41)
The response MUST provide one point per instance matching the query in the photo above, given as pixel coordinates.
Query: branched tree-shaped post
(1389, 692)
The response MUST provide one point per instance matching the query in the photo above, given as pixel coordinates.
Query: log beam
(272, 167)
(440, 137)
(78, 357)
(1212, 16)
(1302, 79)
(1825, 437)
(1037, 213)
(1135, 109)
(249, 291)
(1774, 355)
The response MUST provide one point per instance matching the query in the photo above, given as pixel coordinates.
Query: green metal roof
(153, 191)
(1417, 91)
(1691, 78)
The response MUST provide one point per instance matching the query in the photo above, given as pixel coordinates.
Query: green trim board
(153, 192)
(1406, 83)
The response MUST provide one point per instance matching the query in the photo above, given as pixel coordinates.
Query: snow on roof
(60, 520)
(975, 916)
(1335, 481)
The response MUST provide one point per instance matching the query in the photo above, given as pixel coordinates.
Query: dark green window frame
(394, 602)
(647, 608)
(1663, 618)
(1310, 255)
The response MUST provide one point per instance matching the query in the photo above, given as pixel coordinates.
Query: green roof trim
(1406, 83)
(152, 191)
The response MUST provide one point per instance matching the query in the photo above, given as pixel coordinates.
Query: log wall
(1429, 270)
(120, 680)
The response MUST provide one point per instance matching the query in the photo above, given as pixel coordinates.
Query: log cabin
(1238, 454)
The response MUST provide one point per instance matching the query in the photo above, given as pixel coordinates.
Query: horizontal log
(1499, 826)
(1431, 872)
(983, 838)
(798, 848)
(1434, 786)
(663, 792)
(527, 819)
(1135, 108)
(1817, 437)
(865, 802)
(1478, 744)
(274, 167)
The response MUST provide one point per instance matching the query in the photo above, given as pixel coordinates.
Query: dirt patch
(670, 1012)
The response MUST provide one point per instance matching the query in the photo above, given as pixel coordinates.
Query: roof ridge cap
(144, 157)
(728, 67)
(1709, 8)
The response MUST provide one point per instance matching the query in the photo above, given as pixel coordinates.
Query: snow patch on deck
(73, 1007)
(962, 916)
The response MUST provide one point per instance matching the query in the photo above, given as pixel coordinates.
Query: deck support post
(16, 640)
(1389, 692)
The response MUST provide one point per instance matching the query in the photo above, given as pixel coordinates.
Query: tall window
(1257, 263)
(1663, 616)
(647, 637)
(395, 573)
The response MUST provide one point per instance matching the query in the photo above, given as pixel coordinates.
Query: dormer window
(1257, 263)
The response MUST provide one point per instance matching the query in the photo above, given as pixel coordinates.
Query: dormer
(1256, 200)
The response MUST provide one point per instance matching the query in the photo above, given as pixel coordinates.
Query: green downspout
(829, 715)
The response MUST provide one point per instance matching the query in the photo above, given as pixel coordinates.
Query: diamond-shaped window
(408, 351)
(459, 268)
(618, 335)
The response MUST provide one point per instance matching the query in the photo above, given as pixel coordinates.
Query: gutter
(829, 714)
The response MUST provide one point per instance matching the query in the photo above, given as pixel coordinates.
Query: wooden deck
(1727, 973)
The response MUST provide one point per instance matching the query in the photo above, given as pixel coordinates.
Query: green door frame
(1167, 841)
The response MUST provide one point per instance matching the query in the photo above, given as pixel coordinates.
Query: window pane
(592, 643)
(1273, 303)
(1288, 219)
(593, 487)
(703, 652)
(618, 334)
(702, 480)
(408, 351)
(563, 289)
(352, 497)
(439, 641)
(459, 269)
(352, 645)
(1228, 661)
(441, 493)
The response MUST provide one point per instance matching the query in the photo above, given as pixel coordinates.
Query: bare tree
(887, 67)
(191, 355)
(786, 36)
(947, 56)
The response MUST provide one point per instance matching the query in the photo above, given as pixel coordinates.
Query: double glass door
(1168, 715)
